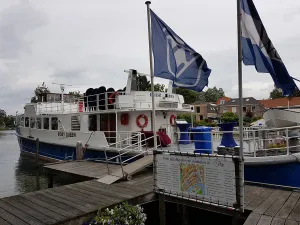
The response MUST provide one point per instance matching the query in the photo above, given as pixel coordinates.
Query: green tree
(158, 87)
(229, 117)
(40, 90)
(189, 96)
(2, 118)
(276, 93)
(213, 94)
(75, 93)
(142, 83)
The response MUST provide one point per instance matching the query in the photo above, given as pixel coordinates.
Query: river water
(18, 173)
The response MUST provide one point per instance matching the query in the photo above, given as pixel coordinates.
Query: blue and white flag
(175, 60)
(259, 51)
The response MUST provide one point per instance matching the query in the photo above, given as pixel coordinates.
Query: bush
(123, 214)
(187, 117)
(229, 117)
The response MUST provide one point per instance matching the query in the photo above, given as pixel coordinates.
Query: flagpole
(153, 120)
(240, 85)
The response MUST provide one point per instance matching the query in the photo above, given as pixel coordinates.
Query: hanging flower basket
(123, 214)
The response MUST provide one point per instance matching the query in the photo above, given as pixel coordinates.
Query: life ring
(111, 98)
(172, 120)
(138, 121)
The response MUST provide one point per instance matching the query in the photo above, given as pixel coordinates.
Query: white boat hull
(282, 117)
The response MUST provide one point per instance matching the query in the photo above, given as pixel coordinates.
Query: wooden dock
(72, 204)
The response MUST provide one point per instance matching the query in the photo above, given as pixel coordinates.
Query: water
(18, 173)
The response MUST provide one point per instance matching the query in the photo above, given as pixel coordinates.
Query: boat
(282, 117)
(104, 124)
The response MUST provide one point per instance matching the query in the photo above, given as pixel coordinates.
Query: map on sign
(192, 178)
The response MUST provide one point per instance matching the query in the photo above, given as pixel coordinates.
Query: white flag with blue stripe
(175, 60)
(259, 51)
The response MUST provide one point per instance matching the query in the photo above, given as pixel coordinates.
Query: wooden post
(79, 150)
(162, 209)
(37, 149)
(50, 180)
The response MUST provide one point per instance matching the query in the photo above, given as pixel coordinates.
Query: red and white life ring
(139, 123)
(111, 98)
(173, 120)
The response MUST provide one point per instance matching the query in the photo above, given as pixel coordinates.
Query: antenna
(62, 88)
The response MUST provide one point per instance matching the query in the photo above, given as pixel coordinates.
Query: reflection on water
(18, 173)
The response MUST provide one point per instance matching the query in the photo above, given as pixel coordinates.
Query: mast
(240, 85)
(153, 120)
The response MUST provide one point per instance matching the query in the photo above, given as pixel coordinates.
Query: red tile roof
(280, 102)
(223, 98)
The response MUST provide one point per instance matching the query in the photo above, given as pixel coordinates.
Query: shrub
(123, 214)
(229, 117)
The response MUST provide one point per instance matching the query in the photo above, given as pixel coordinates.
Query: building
(205, 110)
(249, 104)
(281, 102)
(221, 101)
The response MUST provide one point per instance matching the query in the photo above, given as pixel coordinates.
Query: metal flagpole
(152, 75)
(240, 83)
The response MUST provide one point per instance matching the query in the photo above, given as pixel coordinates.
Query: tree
(201, 97)
(142, 83)
(276, 93)
(75, 93)
(158, 88)
(40, 90)
(2, 118)
(189, 96)
(213, 94)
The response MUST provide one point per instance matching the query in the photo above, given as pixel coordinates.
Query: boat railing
(121, 139)
(258, 142)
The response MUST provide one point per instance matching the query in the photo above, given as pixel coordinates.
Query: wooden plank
(61, 199)
(295, 214)
(277, 221)
(20, 214)
(260, 199)
(288, 206)
(263, 207)
(252, 219)
(276, 206)
(253, 195)
(28, 210)
(48, 198)
(3, 222)
(265, 220)
(250, 190)
(291, 222)
(38, 208)
(63, 213)
(11, 218)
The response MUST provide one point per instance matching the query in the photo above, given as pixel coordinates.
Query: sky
(89, 43)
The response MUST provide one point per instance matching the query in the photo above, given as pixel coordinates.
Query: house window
(32, 122)
(222, 102)
(54, 123)
(38, 123)
(46, 123)
(253, 108)
(224, 110)
(198, 109)
(244, 109)
(201, 117)
(26, 122)
(234, 109)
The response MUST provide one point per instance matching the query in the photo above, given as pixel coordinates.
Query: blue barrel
(202, 140)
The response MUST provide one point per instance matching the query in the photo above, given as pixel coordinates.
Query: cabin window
(46, 123)
(54, 123)
(38, 123)
(22, 122)
(26, 122)
(32, 122)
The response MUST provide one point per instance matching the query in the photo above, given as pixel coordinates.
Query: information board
(210, 179)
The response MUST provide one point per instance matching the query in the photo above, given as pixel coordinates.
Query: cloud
(90, 45)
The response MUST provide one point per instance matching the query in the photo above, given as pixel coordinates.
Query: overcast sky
(88, 43)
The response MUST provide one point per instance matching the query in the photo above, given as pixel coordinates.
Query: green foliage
(40, 90)
(204, 123)
(123, 214)
(277, 93)
(229, 117)
(187, 117)
(213, 94)
(75, 93)
(189, 96)
(6, 121)
(144, 85)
